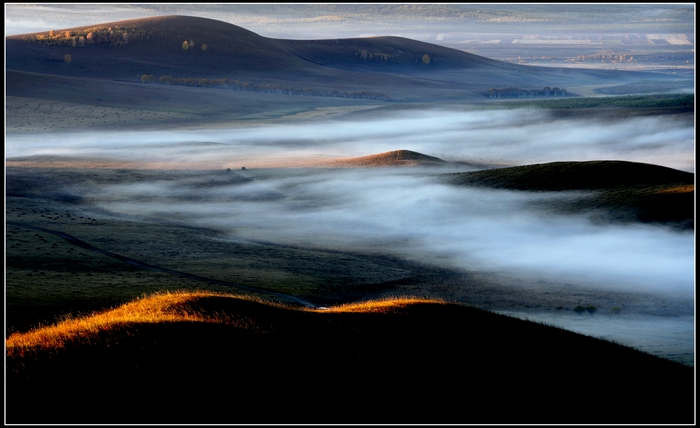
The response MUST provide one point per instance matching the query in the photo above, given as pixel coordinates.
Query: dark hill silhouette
(623, 191)
(400, 362)
(402, 68)
(591, 175)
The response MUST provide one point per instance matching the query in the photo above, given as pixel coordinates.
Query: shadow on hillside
(424, 363)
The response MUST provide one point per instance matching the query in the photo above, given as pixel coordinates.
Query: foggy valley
(529, 168)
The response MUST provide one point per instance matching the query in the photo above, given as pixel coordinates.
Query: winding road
(82, 244)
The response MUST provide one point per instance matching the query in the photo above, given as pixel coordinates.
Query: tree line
(236, 85)
(109, 36)
(526, 93)
(630, 101)
(379, 56)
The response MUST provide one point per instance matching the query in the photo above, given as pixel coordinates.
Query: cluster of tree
(526, 93)
(640, 57)
(189, 44)
(630, 101)
(666, 56)
(605, 57)
(110, 36)
(379, 56)
(236, 85)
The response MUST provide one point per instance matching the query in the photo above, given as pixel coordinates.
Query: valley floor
(49, 278)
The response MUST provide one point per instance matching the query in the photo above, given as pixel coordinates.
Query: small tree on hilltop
(185, 45)
(426, 59)
(204, 46)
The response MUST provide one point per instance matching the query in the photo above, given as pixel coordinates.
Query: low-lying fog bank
(403, 212)
(394, 211)
(515, 137)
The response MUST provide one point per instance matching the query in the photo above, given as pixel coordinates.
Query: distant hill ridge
(229, 38)
(392, 158)
(200, 48)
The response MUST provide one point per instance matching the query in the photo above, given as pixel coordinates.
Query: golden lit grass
(380, 306)
(679, 189)
(202, 357)
(161, 307)
(172, 307)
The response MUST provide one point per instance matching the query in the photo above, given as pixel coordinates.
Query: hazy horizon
(425, 22)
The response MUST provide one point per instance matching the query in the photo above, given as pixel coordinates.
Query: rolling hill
(623, 191)
(205, 357)
(191, 47)
(392, 158)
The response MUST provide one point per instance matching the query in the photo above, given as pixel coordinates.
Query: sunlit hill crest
(393, 352)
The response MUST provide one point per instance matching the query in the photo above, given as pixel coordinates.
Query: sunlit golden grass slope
(170, 307)
(621, 191)
(158, 308)
(216, 358)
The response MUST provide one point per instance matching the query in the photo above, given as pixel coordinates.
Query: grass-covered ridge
(217, 358)
(616, 191)
(588, 175)
(168, 307)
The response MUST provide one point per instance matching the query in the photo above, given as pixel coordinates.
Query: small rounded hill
(559, 176)
(392, 158)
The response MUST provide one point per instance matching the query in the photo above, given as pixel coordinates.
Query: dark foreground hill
(186, 47)
(622, 191)
(210, 358)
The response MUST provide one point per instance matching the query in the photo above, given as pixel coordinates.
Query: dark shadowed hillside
(206, 358)
(624, 191)
(559, 176)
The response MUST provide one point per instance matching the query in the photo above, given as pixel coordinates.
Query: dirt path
(75, 241)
